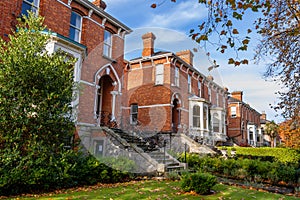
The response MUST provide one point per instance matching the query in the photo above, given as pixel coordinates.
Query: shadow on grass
(156, 190)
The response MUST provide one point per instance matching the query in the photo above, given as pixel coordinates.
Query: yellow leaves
(231, 61)
(235, 31)
(245, 41)
(223, 32)
(202, 38)
(153, 5)
(229, 23)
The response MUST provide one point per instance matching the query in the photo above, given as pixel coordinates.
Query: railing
(106, 120)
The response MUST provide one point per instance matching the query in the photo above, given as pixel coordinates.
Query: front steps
(152, 147)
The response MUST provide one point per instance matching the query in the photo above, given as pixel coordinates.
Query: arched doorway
(175, 115)
(104, 100)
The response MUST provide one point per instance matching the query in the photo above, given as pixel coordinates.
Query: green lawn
(156, 190)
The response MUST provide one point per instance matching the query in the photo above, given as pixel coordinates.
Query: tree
(35, 107)
(290, 134)
(271, 129)
(277, 22)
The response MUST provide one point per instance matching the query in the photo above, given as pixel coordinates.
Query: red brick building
(243, 121)
(164, 92)
(85, 31)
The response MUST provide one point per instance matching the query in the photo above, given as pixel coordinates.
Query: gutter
(103, 14)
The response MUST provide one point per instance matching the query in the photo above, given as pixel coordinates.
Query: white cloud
(180, 15)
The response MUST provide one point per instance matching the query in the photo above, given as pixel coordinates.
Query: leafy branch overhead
(276, 23)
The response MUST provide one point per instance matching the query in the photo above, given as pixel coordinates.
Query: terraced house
(166, 93)
(85, 31)
(131, 108)
(244, 124)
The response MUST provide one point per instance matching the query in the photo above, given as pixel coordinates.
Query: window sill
(109, 58)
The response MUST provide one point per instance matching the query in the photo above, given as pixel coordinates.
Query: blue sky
(171, 22)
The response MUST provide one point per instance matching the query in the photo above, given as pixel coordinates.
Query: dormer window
(107, 44)
(75, 27)
(30, 5)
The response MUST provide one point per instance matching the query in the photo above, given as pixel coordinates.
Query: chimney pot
(186, 55)
(148, 44)
(100, 3)
(237, 95)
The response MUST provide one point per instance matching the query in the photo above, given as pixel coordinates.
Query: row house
(165, 93)
(85, 31)
(243, 121)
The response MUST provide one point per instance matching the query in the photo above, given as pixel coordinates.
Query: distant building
(243, 121)
(166, 93)
(266, 138)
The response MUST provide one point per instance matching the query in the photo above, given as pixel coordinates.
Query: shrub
(283, 155)
(199, 182)
(191, 159)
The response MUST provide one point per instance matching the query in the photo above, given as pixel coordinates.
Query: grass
(155, 190)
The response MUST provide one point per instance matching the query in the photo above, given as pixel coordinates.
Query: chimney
(186, 55)
(237, 95)
(99, 3)
(148, 44)
(263, 116)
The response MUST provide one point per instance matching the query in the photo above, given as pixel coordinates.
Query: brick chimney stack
(237, 95)
(148, 44)
(99, 3)
(263, 116)
(186, 55)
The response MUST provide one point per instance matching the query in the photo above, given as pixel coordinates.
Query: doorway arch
(104, 100)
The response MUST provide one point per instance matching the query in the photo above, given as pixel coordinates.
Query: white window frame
(107, 44)
(176, 77)
(199, 89)
(216, 122)
(233, 111)
(196, 117)
(34, 6)
(159, 74)
(133, 112)
(77, 28)
(205, 117)
(189, 83)
(209, 94)
(223, 123)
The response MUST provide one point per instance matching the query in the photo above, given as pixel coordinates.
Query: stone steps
(149, 146)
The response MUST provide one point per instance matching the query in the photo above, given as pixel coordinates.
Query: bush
(41, 175)
(199, 182)
(283, 155)
(191, 158)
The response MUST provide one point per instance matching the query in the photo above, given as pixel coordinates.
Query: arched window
(75, 27)
(216, 122)
(196, 116)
